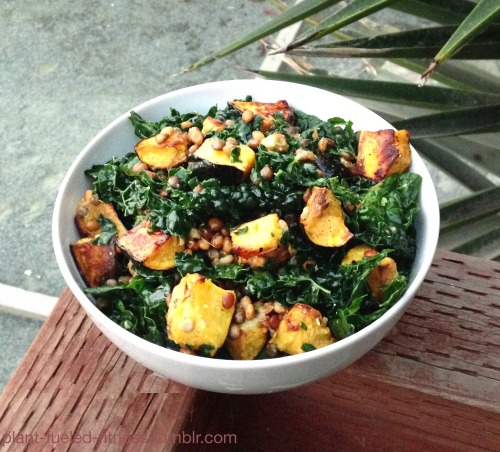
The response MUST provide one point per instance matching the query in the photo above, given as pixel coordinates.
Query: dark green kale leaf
(385, 217)
(108, 231)
(139, 306)
(360, 312)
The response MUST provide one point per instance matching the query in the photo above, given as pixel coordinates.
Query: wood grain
(433, 383)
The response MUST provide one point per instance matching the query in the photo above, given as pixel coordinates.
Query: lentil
(266, 172)
(234, 331)
(218, 144)
(139, 166)
(228, 300)
(249, 311)
(247, 116)
(174, 181)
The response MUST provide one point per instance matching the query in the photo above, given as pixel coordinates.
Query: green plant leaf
(454, 122)
(474, 206)
(351, 13)
(420, 43)
(480, 17)
(294, 14)
(446, 157)
(391, 92)
(480, 238)
(440, 11)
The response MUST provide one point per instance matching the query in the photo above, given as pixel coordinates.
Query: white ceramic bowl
(242, 377)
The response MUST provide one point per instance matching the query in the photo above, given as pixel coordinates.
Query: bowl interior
(118, 139)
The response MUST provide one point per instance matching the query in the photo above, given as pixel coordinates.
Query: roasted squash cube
(258, 237)
(211, 124)
(302, 328)
(383, 153)
(199, 314)
(96, 263)
(253, 335)
(153, 249)
(323, 219)
(266, 110)
(380, 276)
(241, 157)
(166, 153)
(88, 212)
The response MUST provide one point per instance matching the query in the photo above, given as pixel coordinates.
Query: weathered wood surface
(433, 383)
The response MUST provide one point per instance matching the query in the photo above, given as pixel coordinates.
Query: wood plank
(433, 382)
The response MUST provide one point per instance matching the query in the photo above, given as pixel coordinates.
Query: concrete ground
(67, 69)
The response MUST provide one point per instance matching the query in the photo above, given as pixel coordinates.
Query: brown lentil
(164, 193)
(247, 116)
(234, 331)
(266, 172)
(258, 135)
(160, 138)
(194, 233)
(253, 143)
(167, 131)
(257, 261)
(206, 233)
(239, 316)
(226, 260)
(186, 124)
(322, 144)
(213, 254)
(218, 144)
(198, 188)
(174, 181)
(245, 301)
(193, 245)
(196, 136)
(193, 148)
(203, 245)
(228, 300)
(139, 166)
(215, 224)
(272, 350)
(227, 245)
(305, 156)
(279, 308)
(218, 241)
(249, 311)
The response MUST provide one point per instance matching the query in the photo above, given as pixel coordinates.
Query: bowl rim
(226, 364)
